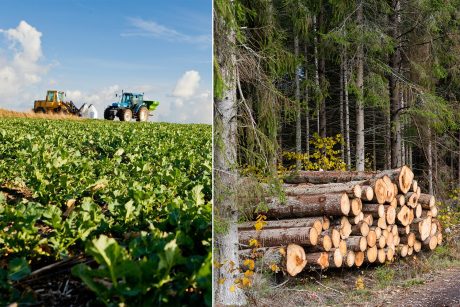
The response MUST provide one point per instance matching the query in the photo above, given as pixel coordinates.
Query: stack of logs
(343, 219)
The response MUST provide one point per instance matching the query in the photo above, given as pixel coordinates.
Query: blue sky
(94, 48)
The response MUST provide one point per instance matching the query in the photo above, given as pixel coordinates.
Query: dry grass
(31, 114)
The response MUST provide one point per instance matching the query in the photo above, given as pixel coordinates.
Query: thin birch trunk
(430, 162)
(359, 100)
(347, 112)
(307, 109)
(342, 145)
(318, 89)
(298, 126)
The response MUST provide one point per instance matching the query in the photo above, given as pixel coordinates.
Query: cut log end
(356, 206)
(417, 246)
(351, 258)
(430, 243)
(371, 238)
(359, 259)
(326, 223)
(345, 204)
(335, 236)
(390, 215)
(380, 191)
(338, 258)
(296, 259)
(318, 259)
(371, 254)
(390, 254)
(326, 242)
(405, 178)
(381, 255)
(367, 193)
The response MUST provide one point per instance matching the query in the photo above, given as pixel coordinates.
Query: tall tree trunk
(387, 150)
(359, 100)
(298, 125)
(410, 156)
(374, 150)
(403, 145)
(347, 111)
(318, 88)
(342, 145)
(394, 88)
(225, 173)
(307, 108)
(458, 162)
(430, 162)
(322, 79)
(435, 160)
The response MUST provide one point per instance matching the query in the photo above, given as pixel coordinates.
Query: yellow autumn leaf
(359, 283)
(232, 288)
(246, 282)
(275, 268)
(259, 224)
(221, 281)
(249, 263)
(282, 251)
(248, 273)
(253, 243)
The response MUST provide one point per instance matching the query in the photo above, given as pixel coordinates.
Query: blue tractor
(131, 105)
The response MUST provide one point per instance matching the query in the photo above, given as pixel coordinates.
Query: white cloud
(21, 62)
(188, 103)
(151, 28)
(187, 85)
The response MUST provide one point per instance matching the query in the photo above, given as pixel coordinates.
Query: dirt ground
(433, 288)
(441, 289)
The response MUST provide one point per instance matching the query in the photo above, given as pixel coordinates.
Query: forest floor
(425, 279)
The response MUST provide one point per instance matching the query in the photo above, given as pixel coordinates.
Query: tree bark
(359, 100)
(332, 204)
(357, 243)
(430, 162)
(282, 224)
(317, 84)
(347, 112)
(275, 237)
(225, 175)
(342, 128)
(298, 130)
(325, 177)
(394, 88)
(307, 108)
(352, 188)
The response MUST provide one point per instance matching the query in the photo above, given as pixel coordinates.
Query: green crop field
(117, 212)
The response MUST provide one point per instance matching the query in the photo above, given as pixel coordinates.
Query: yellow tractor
(55, 103)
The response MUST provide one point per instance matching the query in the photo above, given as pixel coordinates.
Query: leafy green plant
(135, 197)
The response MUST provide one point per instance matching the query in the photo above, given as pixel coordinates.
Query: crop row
(136, 198)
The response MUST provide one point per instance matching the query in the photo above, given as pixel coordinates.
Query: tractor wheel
(125, 115)
(40, 110)
(108, 115)
(59, 111)
(143, 114)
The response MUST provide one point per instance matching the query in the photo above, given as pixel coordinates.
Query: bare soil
(441, 289)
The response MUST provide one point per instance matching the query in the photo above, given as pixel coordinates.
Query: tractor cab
(129, 100)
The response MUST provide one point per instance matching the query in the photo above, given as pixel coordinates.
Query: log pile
(342, 219)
